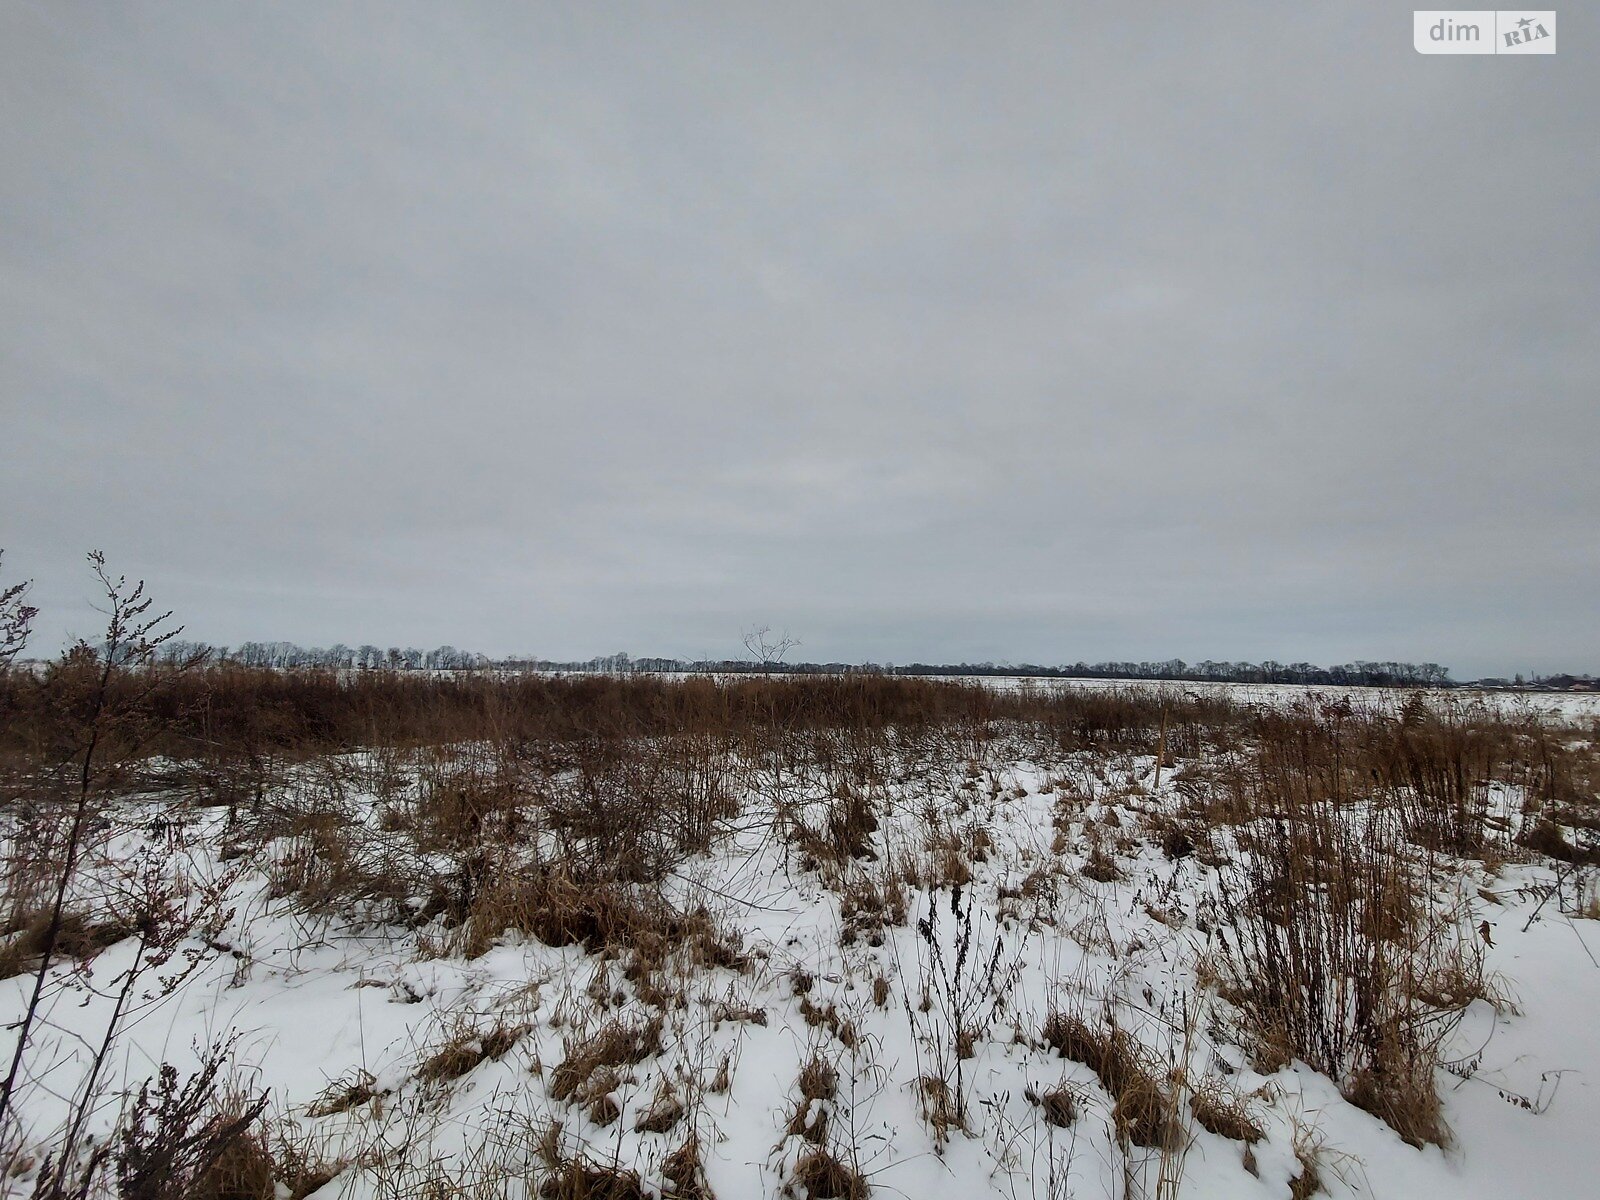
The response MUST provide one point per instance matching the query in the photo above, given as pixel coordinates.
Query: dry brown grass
(78, 937)
(818, 1175)
(301, 1171)
(1143, 1110)
(1337, 957)
(548, 904)
(1223, 1112)
(818, 1086)
(826, 1016)
(663, 747)
(466, 1048)
(246, 1170)
(1547, 837)
(575, 1180)
(1099, 864)
(565, 1175)
(557, 809)
(665, 1111)
(616, 1044)
(1058, 1105)
(868, 905)
(349, 1092)
(937, 1102)
(818, 1079)
(685, 1170)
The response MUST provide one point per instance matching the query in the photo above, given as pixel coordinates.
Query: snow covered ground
(1550, 706)
(922, 973)
(1559, 707)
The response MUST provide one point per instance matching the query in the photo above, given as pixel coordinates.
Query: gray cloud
(925, 331)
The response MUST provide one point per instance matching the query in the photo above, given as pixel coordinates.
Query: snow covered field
(1548, 706)
(1552, 706)
(964, 962)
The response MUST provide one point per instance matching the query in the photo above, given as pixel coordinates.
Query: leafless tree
(118, 679)
(16, 619)
(767, 649)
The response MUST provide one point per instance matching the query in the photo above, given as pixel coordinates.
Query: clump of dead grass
(466, 1048)
(78, 937)
(564, 1175)
(868, 905)
(1219, 1110)
(1143, 1111)
(685, 1170)
(616, 1044)
(826, 1016)
(665, 1111)
(818, 1085)
(343, 1094)
(818, 1175)
(1058, 1105)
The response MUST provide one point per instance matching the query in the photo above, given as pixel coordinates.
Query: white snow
(315, 1002)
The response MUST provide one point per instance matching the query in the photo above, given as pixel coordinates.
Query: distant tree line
(287, 655)
(284, 655)
(1366, 674)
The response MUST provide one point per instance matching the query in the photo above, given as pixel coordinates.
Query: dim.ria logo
(1484, 31)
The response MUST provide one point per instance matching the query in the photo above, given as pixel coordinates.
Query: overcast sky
(923, 331)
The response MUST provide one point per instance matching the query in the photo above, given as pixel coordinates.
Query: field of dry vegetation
(274, 934)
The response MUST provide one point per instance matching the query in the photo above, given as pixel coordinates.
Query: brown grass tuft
(245, 1170)
(615, 1045)
(1058, 1106)
(820, 1176)
(1143, 1110)
(685, 1171)
(575, 1180)
(466, 1048)
(1218, 1110)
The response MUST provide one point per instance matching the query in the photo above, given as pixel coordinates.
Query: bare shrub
(99, 712)
(16, 619)
(966, 974)
(1334, 959)
(192, 1139)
